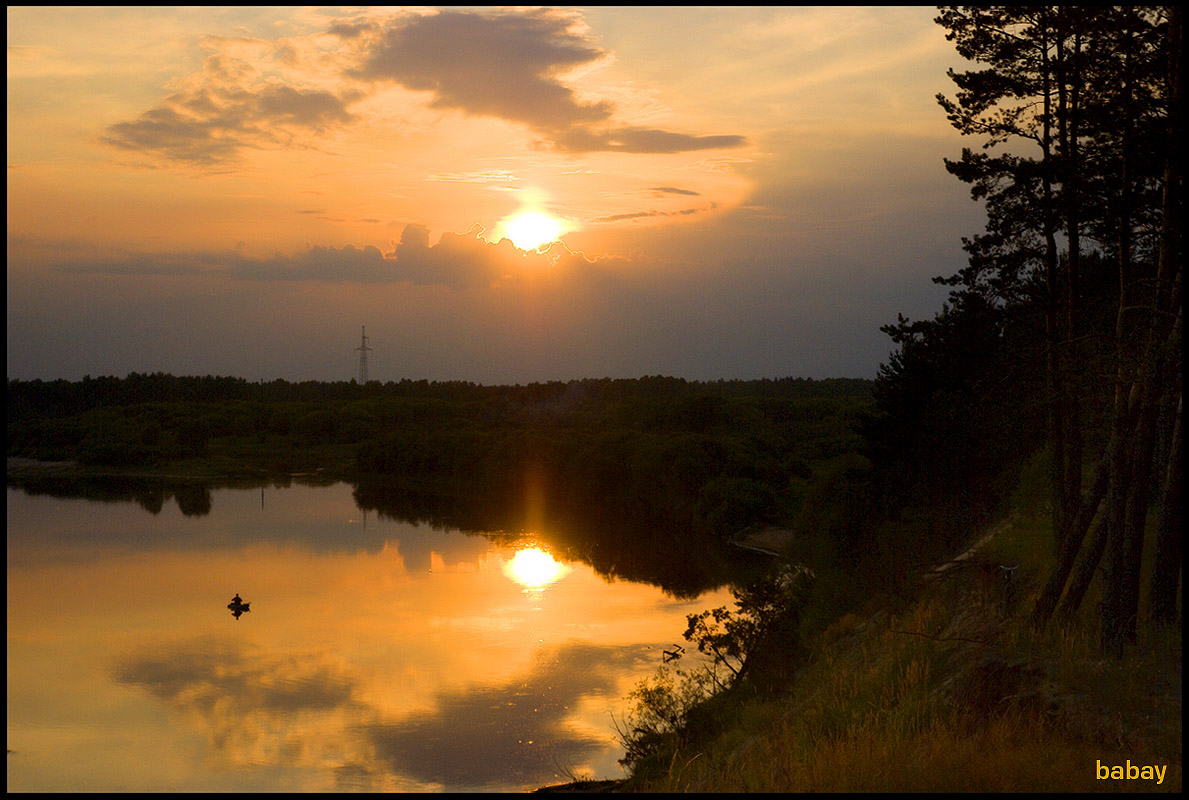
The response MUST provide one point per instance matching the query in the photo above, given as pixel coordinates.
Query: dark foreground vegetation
(1042, 403)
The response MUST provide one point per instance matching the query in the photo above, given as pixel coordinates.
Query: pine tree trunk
(1085, 572)
(1069, 93)
(1138, 500)
(1167, 567)
(1057, 413)
(1166, 571)
(1047, 602)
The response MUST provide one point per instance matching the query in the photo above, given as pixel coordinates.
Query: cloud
(318, 263)
(254, 93)
(207, 676)
(167, 133)
(674, 190)
(510, 66)
(508, 733)
(641, 140)
(489, 64)
(458, 260)
(255, 707)
(645, 214)
(230, 105)
(477, 176)
(209, 126)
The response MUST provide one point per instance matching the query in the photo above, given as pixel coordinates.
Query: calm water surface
(377, 655)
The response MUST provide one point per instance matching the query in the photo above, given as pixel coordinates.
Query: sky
(498, 195)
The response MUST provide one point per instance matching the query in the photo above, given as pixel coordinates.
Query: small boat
(238, 606)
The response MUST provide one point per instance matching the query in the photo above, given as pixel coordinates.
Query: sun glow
(531, 229)
(533, 568)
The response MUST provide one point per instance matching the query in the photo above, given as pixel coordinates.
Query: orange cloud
(254, 93)
(230, 105)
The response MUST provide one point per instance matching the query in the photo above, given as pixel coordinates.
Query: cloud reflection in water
(286, 712)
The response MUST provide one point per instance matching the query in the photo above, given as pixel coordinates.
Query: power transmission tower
(363, 351)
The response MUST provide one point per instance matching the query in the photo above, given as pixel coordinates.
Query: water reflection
(193, 497)
(534, 568)
(617, 548)
(518, 728)
(393, 658)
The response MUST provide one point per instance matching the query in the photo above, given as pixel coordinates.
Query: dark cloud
(674, 190)
(458, 260)
(284, 105)
(352, 28)
(211, 123)
(641, 140)
(509, 65)
(499, 65)
(645, 214)
(631, 215)
(347, 264)
(334, 264)
(159, 264)
(208, 127)
(167, 133)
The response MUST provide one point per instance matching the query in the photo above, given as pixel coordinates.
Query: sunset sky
(738, 192)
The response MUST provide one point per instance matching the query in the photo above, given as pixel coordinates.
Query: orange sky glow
(719, 192)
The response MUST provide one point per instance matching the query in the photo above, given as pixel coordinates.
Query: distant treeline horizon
(136, 387)
(712, 456)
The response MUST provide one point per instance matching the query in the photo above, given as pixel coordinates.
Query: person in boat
(237, 600)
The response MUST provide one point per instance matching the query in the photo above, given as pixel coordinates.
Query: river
(377, 654)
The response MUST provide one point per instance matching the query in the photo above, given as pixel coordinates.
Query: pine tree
(1092, 95)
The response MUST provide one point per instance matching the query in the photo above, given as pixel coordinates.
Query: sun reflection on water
(534, 568)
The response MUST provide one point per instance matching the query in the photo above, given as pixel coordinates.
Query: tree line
(713, 457)
(1064, 329)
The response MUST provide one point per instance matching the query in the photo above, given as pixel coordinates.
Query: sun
(531, 229)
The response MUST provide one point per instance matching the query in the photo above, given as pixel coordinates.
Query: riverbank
(22, 467)
(949, 689)
(773, 541)
(27, 468)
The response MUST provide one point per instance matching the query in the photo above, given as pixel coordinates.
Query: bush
(658, 709)
(756, 643)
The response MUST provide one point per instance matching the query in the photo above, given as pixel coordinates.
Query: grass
(954, 692)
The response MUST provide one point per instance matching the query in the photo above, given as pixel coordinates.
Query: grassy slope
(952, 692)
